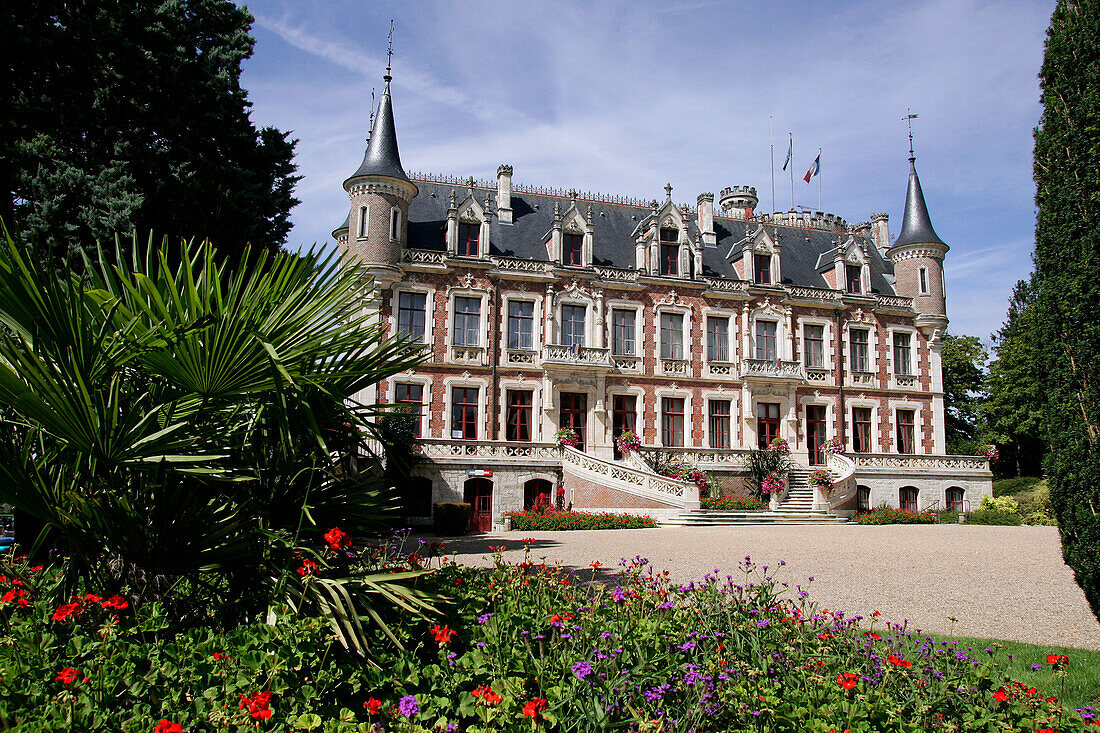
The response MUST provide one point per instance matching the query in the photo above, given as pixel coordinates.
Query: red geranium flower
(847, 680)
(66, 610)
(595, 565)
(117, 601)
(337, 539)
(1000, 694)
(167, 726)
(92, 598)
(442, 635)
(372, 706)
(487, 695)
(258, 704)
(899, 661)
(1057, 659)
(308, 568)
(67, 676)
(535, 706)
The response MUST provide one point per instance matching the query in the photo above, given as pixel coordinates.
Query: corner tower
(380, 193)
(918, 257)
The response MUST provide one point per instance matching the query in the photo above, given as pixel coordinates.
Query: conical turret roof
(916, 227)
(382, 157)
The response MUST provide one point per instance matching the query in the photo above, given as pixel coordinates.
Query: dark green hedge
(995, 517)
(527, 521)
(452, 518)
(730, 504)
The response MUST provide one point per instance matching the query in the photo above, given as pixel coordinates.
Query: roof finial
(389, 52)
(371, 125)
(668, 192)
(909, 117)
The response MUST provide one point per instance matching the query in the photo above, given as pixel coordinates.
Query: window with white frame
(572, 246)
(572, 325)
(859, 350)
(521, 324)
(718, 338)
(464, 402)
(906, 431)
(861, 429)
(718, 412)
(411, 314)
(766, 342)
(364, 221)
(672, 421)
(623, 331)
(395, 223)
(672, 335)
(903, 354)
(813, 346)
(411, 398)
(923, 281)
(467, 328)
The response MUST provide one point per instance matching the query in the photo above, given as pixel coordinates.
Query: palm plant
(192, 422)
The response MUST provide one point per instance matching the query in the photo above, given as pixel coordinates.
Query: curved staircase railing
(843, 471)
(627, 478)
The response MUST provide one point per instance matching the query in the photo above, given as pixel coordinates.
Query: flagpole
(771, 142)
(791, 148)
(819, 179)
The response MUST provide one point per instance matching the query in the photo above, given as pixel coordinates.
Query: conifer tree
(122, 116)
(1067, 279)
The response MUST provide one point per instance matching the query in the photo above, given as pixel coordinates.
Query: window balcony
(472, 355)
(576, 357)
(772, 370)
(819, 375)
(627, 364)
(906, 381)
(521, 357)
(862, 379)
(721, 369)
(674, 367)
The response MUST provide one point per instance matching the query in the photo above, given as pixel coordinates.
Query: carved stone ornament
(671, 299)
(466, 374)
(468, 280)
(469, 217)
(573, 228)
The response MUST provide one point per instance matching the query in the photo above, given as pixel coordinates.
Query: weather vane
(909, 117)
(389, 50)
(371, 125)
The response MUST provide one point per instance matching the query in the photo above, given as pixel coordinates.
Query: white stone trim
(732, 397)
(449, 383)
(876, 423)
(510, 296)
(685, 335)
(914, 357)
(529, 385)
(406, 286)
(689, 414)
(425, 381)
(920, 426)
(828, 349)
(731, 331)
(483, 313)
(639, 320)
(769, 312)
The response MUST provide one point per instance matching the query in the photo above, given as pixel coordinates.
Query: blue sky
(622, 97)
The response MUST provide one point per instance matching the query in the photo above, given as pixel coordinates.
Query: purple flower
(483, 618)
(407, 706)
(582, 670)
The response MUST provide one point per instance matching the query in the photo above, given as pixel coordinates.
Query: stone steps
(705, 517)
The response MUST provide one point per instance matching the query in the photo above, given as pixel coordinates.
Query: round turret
(918, 255)
(738, 201)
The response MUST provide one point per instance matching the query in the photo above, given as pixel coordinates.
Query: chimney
(504, 194)
(863, 228)
(880, 229)
(706, 219)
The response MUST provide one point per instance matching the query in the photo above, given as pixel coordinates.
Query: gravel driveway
(999, 582)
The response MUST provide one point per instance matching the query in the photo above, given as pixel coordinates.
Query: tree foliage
(1012, 412)
(1067, 281)
(964, 359)
(123, 116)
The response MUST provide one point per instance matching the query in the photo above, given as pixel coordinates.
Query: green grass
(1082, 683)
(1033, 495)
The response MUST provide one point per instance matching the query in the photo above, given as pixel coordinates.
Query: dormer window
(572, 249)
(670, 252)
(762, 268)
(468, 235)
(855, 276)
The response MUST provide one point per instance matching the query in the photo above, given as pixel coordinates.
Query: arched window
(863, 498)
(954, 498)
(909, 498)
(535, 488)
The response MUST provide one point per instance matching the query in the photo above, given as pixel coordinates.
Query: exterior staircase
(796, 507)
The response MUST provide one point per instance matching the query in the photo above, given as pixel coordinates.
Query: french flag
(814, 169)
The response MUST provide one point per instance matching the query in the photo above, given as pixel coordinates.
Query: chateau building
(707, 329)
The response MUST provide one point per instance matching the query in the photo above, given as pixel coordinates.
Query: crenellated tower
(918, 257)
(380, 194)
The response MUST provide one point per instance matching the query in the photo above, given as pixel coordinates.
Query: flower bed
(524, 647)
(562, 520)
(889, 515)
(730, 504)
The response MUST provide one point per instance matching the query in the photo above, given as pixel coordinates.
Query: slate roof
(382, 157)
(916, 227)
(615, 224)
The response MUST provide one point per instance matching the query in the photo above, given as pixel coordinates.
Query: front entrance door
(574, 414)
(815, 433)
(767, 423)
(624, 415)
(479, 495)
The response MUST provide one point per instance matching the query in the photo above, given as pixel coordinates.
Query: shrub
(452, 518)
(730, 504)
(889, 515)
(559, 520)
(999, 503)
(947, 516)
(995, 517)
(762, 465)
(1015, 485)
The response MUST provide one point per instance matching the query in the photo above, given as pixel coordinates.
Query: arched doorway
(478, 493)
(863, 498)
(954, 498)
(535, 487)
(909, 498)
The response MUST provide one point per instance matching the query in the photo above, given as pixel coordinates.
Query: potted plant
(567, 437)
(627, 441)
